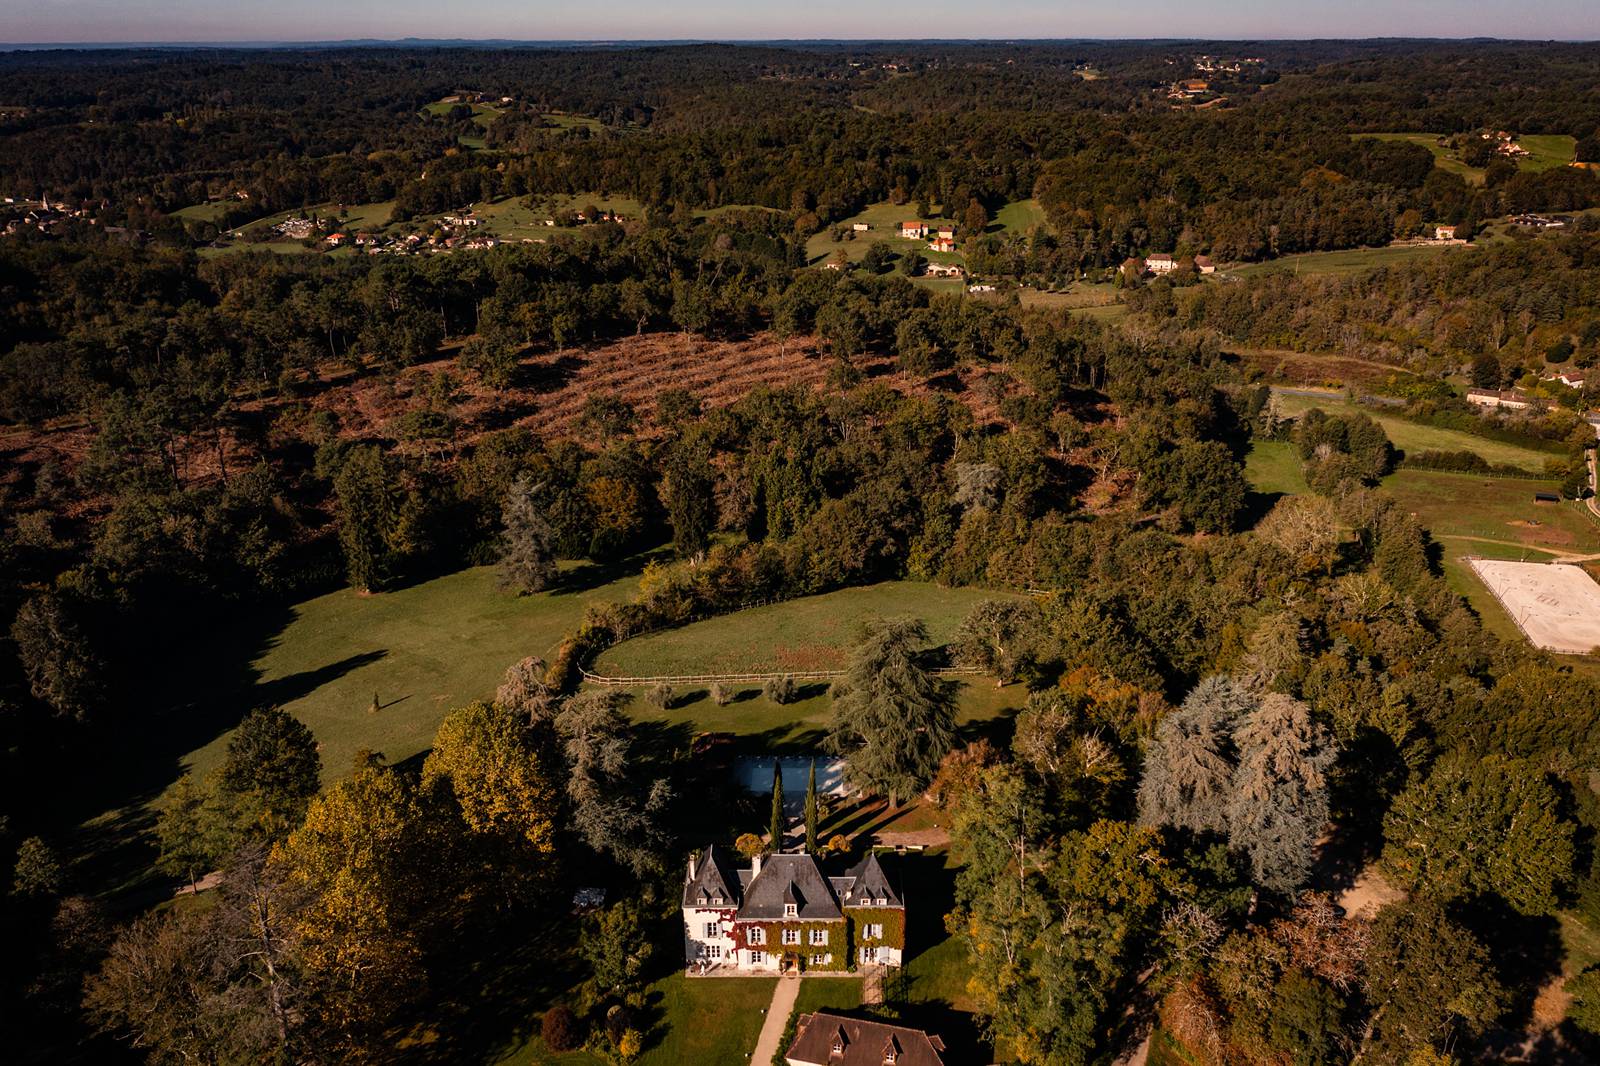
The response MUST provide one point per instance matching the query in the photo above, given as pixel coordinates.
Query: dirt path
(778, 1011)
(1562, 555)
(872, 986)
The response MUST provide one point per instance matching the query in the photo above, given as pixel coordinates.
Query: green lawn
(1346, 261)
(885, 219)
(813, 633)
(798, 727)
(1081, 295)
(423, 650)
(709, 1021)
(1413, 437)
(1274, 466)
(1546, 151)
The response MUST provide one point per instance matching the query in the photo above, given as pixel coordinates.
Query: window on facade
(757, 958)
(872, 931)
(816, 958)
(758, 935)
(791, 910)
(714, 950)
(791, 936)
(717, 900)
(819, 937)
(879, 901)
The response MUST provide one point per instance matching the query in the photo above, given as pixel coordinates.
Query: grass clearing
(210, 211)
(1413, 437)
(1020, 216)
(811, 633)
(884, 220)
(1274, 467)
(1489, 511)
(1345, 261)
(1081, 295)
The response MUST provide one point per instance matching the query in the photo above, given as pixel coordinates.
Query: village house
(465, 220)
(336, 240)
(1444, 233)
(824, 1039)
(1160, 263)
(780, 913)
(985, 287)
(944, 270)
(1204, 265)
(914, 230)
(1132, 267)
(859, 227)
(942, 244)
(1572, 379)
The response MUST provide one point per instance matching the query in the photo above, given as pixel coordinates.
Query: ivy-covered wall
(893, 920)
(838, 944)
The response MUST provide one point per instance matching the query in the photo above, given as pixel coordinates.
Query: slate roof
(796, 879)
(715, 876)
(868, 882)
(789, 879)
(864, 1043)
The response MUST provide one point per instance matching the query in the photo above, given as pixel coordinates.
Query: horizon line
(373, 42)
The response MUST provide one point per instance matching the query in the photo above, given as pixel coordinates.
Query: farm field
(1487, 511)
(1081, 295)
(1413, 437)
(1331, 370)
(1345, 261)
(813, 633)
(210, 211)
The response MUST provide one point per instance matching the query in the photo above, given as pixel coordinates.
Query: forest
(1226, 703)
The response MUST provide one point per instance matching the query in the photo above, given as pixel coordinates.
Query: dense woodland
(1221, 686)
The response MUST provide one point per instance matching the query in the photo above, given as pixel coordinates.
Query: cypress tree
(811, 810)
(777, 806)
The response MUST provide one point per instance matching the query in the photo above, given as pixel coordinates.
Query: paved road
(778, 1011)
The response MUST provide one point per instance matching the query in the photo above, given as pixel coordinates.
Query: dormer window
(879, 901)
(791, 910)
(717, 900)
(702, 899)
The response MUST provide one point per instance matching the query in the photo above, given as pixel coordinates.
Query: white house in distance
(1160, 263)
(914, 230)
(1444, 233)
(1204, 264)
(1510, 399)
(1572, 379)
(782, 912)
(859, 227)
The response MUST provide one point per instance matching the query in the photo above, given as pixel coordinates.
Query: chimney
(693, 855)
(755, 866)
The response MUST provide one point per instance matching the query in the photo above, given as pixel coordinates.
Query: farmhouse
(783, 913)
(859, 227)
(914, 230)
(1572, 379)
(944, 270)
(942, 244)
(1444, 233)
(1510, 399)
(1204, 264)
(824, 1039)
(1160, 263)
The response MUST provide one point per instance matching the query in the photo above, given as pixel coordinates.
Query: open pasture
(1413, 437)
(1345, 261)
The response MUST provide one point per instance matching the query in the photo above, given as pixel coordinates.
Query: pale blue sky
(33, 21)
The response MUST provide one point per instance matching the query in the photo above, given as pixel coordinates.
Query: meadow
(1347, 261)
(1413, 437)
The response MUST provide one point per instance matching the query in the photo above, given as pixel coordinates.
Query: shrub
(749, 845)
(721, 694)
(660, 695)
(780, 690)
(559, 1027)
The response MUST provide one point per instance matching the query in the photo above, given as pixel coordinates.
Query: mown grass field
(1413, 438)
(210, 211)
(1081, 295)
(812, 633)
(1482, 510)
(1346, 261)
(422, 650)
(1274, 467)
